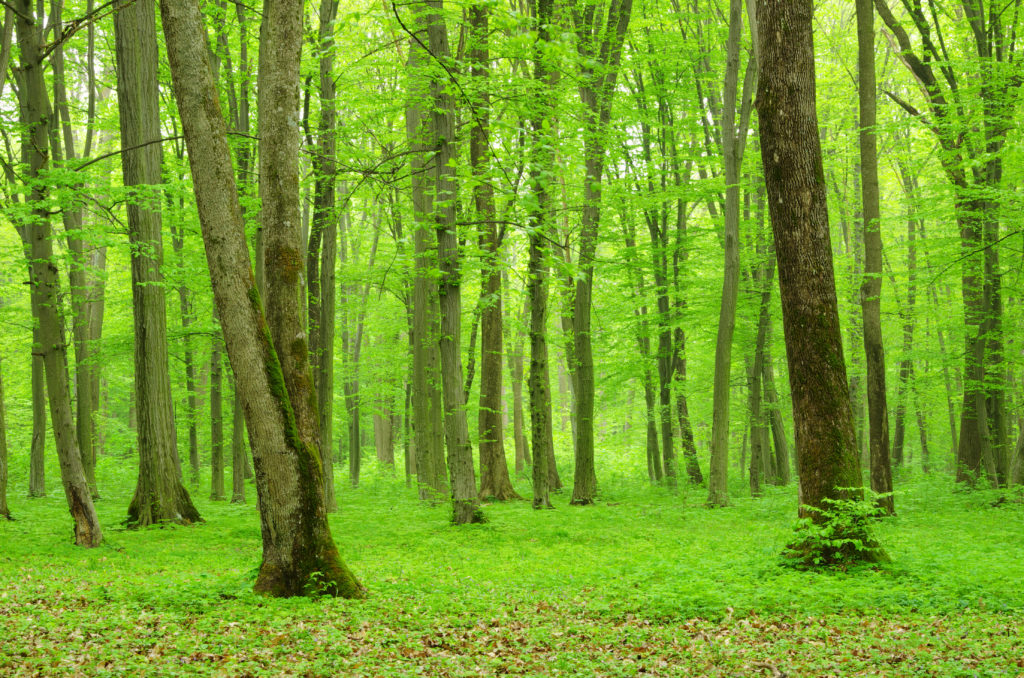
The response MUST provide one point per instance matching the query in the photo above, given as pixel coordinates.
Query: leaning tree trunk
(871, 287)
(827, 457)
(43, 279)
(494, 478)
(159, 494)
(297, 543)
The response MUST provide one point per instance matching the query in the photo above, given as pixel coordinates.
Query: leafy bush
(837, 534)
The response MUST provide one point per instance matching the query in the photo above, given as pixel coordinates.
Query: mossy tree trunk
(159, 494)
(827, 457)
(297, 543)
(44, 281)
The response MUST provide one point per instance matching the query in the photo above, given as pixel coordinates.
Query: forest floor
(645, 583)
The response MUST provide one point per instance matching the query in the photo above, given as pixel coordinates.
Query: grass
(643, 583)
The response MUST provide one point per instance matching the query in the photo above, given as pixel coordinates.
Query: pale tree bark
(298, 550)
(494, 478)
(516, 371)
(427, 407)
(791, 154)
(159, 494)
(871, 286)
(44, 281)
(734, 138)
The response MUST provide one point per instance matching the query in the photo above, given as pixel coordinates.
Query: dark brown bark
(297, 544)
(37, 450)
(829, 467)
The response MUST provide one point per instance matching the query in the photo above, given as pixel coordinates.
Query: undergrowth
(645, 582)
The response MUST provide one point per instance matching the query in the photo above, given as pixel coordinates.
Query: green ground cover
(644, 583)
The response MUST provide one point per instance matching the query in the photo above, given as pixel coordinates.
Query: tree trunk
(826, 447)
(494, 478)
(44, 281)
(37, 451)
(871, 286)
(5, 512)
(427, 408)
(237, 446)
(216, 421)
(771, 402)
(320, 261)
(516, 370)
(159, 494)
(297, 544)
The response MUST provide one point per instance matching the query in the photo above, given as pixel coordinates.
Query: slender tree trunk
(320, 261)
(5, 512)
(237, 446)
(43, 278)
(871, 286)
(733, 143)
(516, 370)
(771, 400)
(37, 451)
(427, 408)
(826, 447)
(296, 538)
(216, 421)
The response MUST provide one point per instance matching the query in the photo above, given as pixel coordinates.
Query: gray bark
(296, 538)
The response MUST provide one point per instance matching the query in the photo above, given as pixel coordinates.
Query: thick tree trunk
(44, 280)
(297, 544)
(871, 286)
(159, 494)
(826, 447)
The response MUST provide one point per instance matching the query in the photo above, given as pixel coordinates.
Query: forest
(511, 337)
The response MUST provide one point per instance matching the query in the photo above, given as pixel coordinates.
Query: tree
(44, 282)
(5, 512)
(734, 139)
(159, 494)
(296, 538)
(871, 287)
(600, 50)
(827, 459)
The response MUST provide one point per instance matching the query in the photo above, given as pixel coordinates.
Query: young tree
(829, 466)
(296, 538)
(5, 512)
(159, 494)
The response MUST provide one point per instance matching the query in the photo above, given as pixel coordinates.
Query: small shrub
(838, 534)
